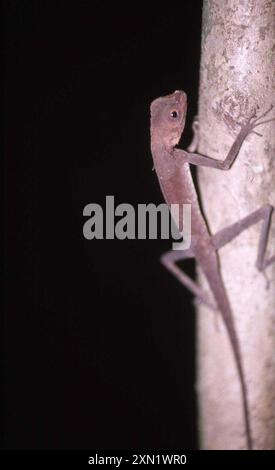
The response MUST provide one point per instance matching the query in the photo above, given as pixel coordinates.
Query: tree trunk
(236, 76)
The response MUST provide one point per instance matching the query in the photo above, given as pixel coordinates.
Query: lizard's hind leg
(169, 260)
(227, 234)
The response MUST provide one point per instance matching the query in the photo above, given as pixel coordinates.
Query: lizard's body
(173, 171)
(179, 189)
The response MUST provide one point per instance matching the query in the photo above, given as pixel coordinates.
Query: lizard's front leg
(184, 156)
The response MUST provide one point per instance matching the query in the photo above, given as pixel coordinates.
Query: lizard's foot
(254, 114)
(254, 121)
(204, 300)
(262, 269)
(241, 124)
(263, 272)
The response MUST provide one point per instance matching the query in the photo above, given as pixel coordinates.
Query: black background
(98, 337)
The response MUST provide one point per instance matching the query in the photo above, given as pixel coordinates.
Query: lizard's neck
(164, 161)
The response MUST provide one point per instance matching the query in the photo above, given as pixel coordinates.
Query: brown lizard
(168, 115)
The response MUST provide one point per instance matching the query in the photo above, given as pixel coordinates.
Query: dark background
(98, 337)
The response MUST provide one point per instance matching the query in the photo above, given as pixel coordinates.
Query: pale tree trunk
(237, 75)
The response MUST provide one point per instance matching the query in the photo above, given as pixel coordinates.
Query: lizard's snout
(180, 96)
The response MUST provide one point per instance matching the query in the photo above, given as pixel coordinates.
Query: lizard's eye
(174, 114)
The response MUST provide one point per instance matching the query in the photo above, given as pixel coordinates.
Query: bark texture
(237, 75)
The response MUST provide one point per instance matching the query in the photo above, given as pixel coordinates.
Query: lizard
(172, 166)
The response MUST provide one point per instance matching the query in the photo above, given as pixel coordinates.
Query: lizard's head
(168, 118)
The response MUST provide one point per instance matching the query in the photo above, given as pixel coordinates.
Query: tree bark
(236, 76)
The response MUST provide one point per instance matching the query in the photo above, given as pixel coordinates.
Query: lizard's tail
(216, 284)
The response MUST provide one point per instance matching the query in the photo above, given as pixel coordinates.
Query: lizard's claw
(262, 115)
(257, 133)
